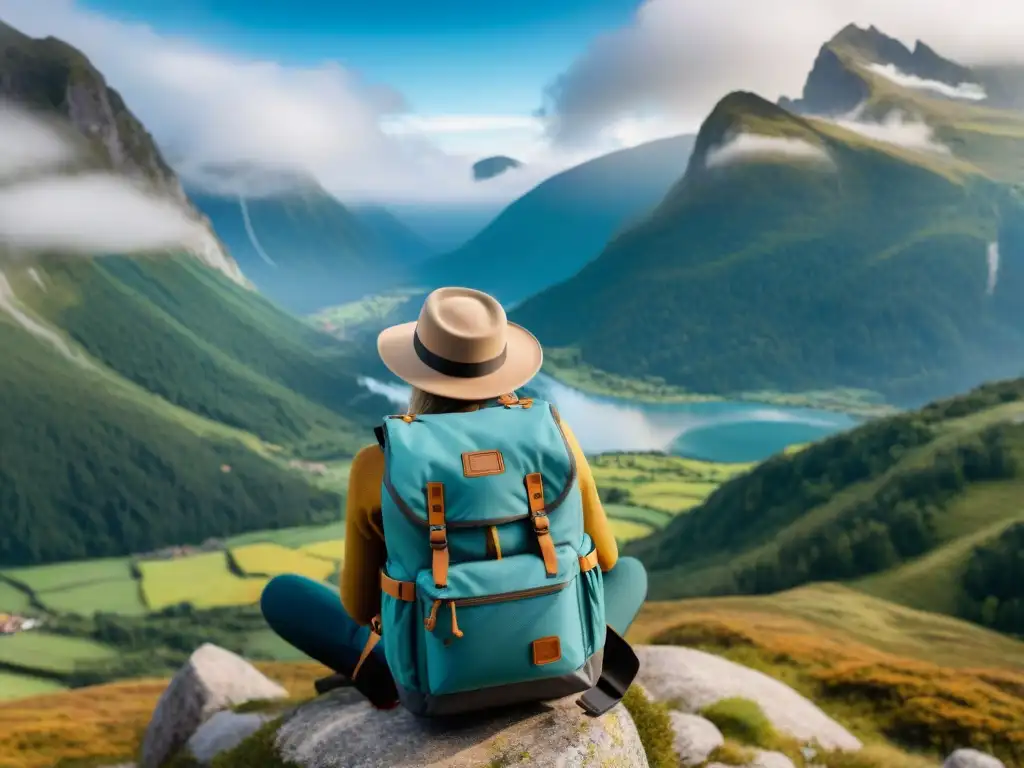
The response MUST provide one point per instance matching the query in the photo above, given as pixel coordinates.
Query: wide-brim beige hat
(462, 346)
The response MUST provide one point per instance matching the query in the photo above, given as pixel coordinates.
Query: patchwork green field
(642, 493)
(60, 575)
(13, 599)
(18, 686)
(49, 654)
(203, 580)
(121, 596)
(268, 559)
(654, 484)
(332, 549)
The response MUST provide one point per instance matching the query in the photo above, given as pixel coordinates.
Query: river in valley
(724, 431)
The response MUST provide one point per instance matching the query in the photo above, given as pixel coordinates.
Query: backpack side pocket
(591, 586)
(400, 638)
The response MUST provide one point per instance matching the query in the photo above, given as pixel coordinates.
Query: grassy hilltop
(922, 508)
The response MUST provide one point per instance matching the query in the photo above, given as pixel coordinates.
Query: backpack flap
(480, 462)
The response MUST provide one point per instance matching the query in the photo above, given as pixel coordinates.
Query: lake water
(730, 431)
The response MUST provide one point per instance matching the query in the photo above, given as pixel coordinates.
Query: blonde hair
(427, 402)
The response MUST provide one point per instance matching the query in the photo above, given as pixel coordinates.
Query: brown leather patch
(482, 463)
(547, 650)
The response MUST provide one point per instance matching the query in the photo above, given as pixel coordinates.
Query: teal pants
(309, 615)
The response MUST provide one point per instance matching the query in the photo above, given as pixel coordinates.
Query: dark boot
(331, 683)
(374, 681)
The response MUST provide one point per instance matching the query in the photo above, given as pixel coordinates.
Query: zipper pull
(455, 624)
(431, 621)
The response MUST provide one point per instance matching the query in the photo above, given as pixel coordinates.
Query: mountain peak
(493, 166)
(839, 80)
(742, 112)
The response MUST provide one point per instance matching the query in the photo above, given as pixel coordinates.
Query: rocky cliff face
(836, 85)
(49, 76)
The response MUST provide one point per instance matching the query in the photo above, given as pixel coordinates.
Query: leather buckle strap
(400, 590)
(438, 533)
(371, 643)
(588, 562)
(541, 525)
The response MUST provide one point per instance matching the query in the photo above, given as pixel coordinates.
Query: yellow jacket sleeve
(595, 521)
(365, 553)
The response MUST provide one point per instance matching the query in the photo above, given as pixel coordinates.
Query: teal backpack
(491, 594)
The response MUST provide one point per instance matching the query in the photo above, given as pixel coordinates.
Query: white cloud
(747, 147)
(679, 57)
(967, 91)
(84, 213)
(91, 213)
(207, 107)
(635, 130)
(30, 144)
(896, 128)
(433, 124)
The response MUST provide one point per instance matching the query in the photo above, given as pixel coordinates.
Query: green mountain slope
(922, 508)
(796, 254)
(303, 248)
(549, 233)
(200, 342)
(93, 466)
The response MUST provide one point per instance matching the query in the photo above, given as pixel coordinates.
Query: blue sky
(393, 100)
(445, 56)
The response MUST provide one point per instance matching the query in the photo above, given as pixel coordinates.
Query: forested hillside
(802, 253)
(91, 466)
(927, 504)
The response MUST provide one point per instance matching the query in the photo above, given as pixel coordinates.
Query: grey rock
(764, 759)
(331, 732)
(211, 680)
(697, 679)
(222, 732)
(695, 737)
(972, 758)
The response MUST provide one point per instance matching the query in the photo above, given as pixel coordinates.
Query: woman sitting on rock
(476, 546)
